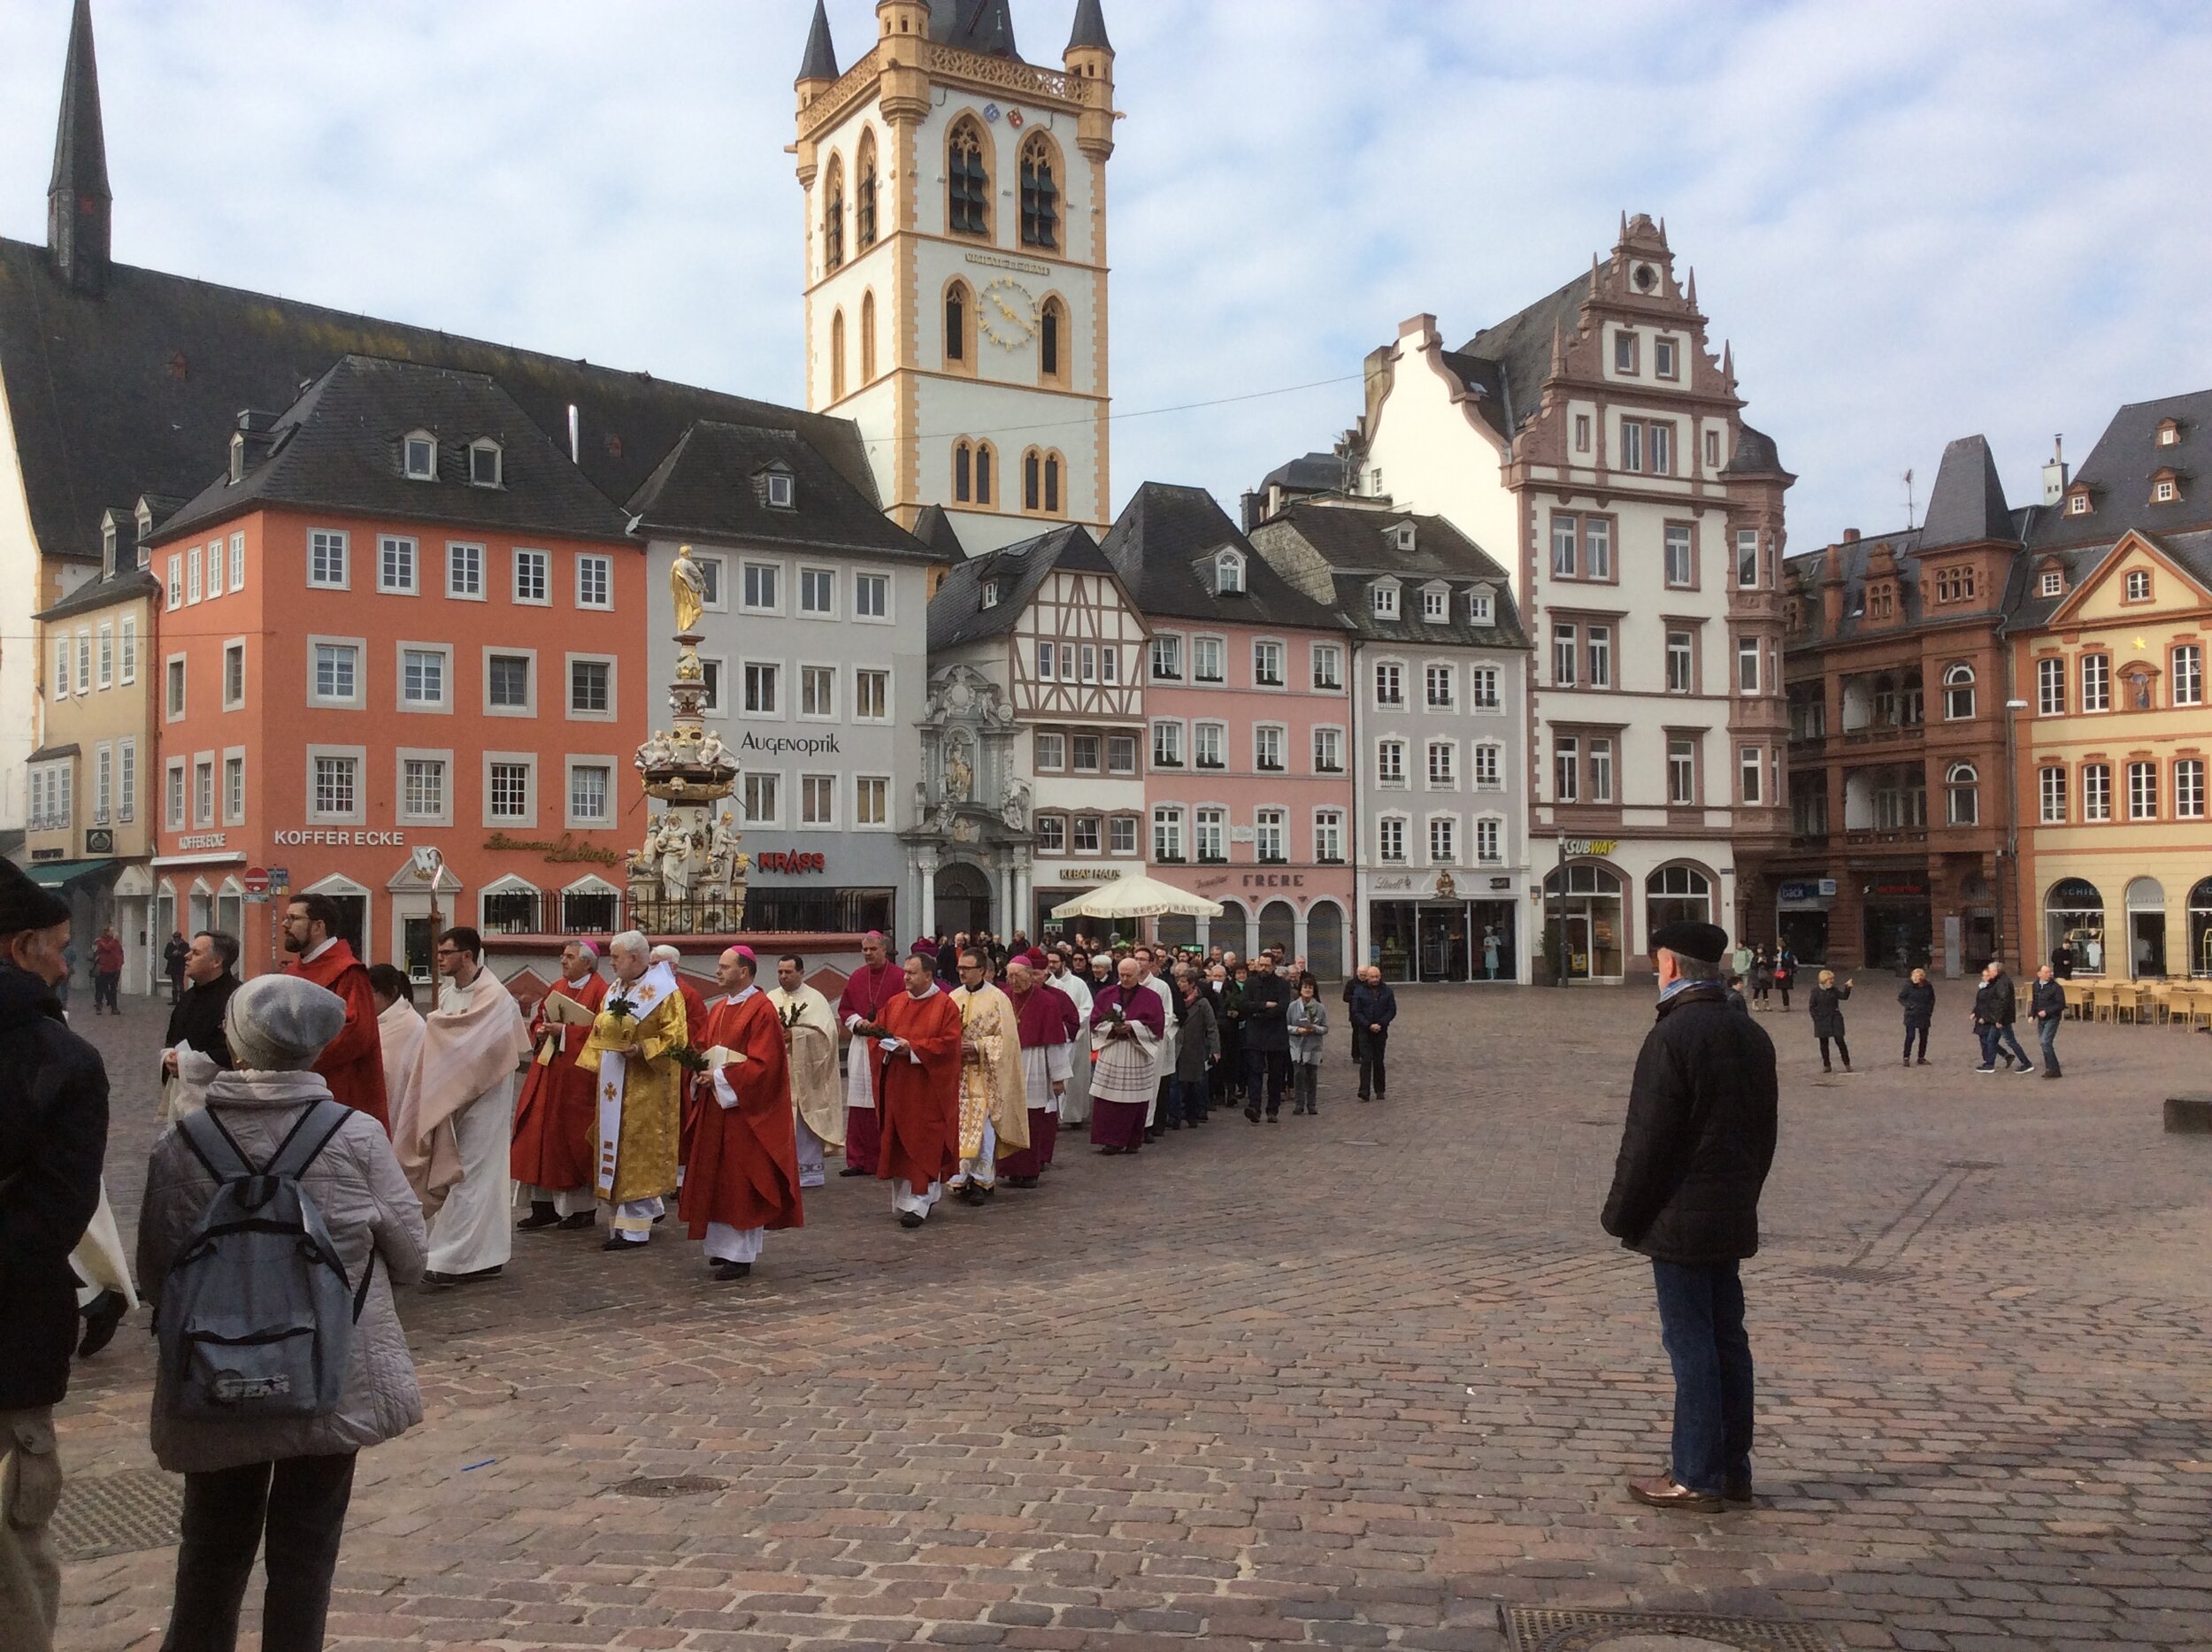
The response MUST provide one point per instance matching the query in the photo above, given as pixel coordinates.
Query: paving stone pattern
(1352, 1380)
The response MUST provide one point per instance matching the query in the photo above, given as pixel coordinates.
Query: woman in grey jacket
(1307, 1019)
(284, 1479)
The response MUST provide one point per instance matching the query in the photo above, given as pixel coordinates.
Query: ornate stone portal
(687, 878)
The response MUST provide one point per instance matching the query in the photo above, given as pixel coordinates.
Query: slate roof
(1518, 355)
(2118, 472)
(1309, 472)
(935, 530)
(337, 448)
(979, 26)
(820, 61)
(1359, 544)
(710, 484)
(136, 392)
(2192, 549)
(957, 614)
(105, 592)
(1090, 28)
(1754, 454)
(1967, 504)
(1162, 544)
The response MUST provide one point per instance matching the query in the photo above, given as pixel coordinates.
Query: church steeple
(820, 62)
(80, 209)
(1090, 28)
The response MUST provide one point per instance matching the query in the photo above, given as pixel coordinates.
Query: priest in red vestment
(743, 1179)
(919, 1088)
(351, 1064)
(867, 989)
(695, 1017)
(557, 1120)
(1048, 1022)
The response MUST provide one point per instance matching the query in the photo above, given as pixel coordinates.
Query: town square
(1173, 822)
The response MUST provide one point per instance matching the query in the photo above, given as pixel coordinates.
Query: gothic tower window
(864, 194)
(833, 215)
(1041, 195)
(1031, 481)
(837, 356)
(868, 336)
(985, 464)
(1040, 481)
(967, 181)
(962, 472)
(959, 309)
(1052, 326)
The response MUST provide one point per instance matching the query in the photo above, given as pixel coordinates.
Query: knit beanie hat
(24, 905)
(281, 1023)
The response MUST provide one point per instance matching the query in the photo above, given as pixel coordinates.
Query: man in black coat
(1694, 1154)
(53, 1136)
(1996, 1006)
(2047, 1008)
(197, 1023)
(1266, 1036)
(1373, 1007)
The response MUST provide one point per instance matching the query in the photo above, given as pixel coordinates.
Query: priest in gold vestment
(994, 1107)
(639, 1027)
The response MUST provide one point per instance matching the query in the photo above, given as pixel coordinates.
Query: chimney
(1850, 536)
(2055, 477)
(1830, 594)
(251, 442)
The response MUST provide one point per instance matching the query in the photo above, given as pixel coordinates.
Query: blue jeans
(1701, 1321)
(2047, 1034)
(1994, 1041)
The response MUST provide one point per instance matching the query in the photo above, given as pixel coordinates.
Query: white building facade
(1596, 443)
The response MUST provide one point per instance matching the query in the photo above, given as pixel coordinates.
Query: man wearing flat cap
(1694, 1154)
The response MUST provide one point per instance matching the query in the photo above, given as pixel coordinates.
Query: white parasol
(1137, 897)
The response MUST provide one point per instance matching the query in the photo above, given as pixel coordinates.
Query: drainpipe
(1355, 765)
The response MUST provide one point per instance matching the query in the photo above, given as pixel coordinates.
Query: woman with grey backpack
(274, 1226)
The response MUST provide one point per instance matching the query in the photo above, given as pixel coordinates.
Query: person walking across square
(1995, 1005)
(1696, 1150)
(1825, 1006)
(2047, 1008)
(1918, 995)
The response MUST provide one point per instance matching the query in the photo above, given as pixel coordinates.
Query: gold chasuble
(632, 1048)
(991, 1072)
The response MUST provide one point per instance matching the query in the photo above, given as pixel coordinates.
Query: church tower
(79, 208)
(956, 262)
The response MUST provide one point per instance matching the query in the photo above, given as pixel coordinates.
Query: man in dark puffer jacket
(53, 1135)
(1694, 1154)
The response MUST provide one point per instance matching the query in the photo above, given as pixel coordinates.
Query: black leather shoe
(578, 1221)
(729, 1270)
(910, 1218)
(542, 1215)
(854, 1170)
(1738, 1492)
(615, 1242)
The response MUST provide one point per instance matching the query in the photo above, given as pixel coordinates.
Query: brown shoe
(1664, 1492)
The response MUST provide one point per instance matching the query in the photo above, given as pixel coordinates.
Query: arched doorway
(2073, 916)
(1278, 928)
(2200, 928)
(1325, 941)
(2147, 928)
(1232, 931)
(1584, 929)
(1677, 894)
(352, 901)
(963, 898)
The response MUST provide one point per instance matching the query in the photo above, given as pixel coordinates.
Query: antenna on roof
(1908, 501)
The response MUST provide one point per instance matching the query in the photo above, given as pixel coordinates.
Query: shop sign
(202, 840)
(790, 861)
(812, 746)
(1274, 879)
(1899, 886)
(338, 837)
(1394, 881)
(1805, 890)
(1573, 848)
(1501, 883)
(280, 877)
(559, 850)
(1083, 874)
(99, 841)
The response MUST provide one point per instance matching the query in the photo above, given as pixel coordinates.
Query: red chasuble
(352, 1062)
(866, 991)
(557, 1118)
(920, 1103)
(695, 1017)
(744, 1168)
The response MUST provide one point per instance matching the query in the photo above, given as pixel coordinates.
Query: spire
(1593, 275)
(983, 26)
(820, 62)
(1090, 28)
(1728, 364)
(1558, 350)
(1624, 225)
(80, 209)
(1690, 291)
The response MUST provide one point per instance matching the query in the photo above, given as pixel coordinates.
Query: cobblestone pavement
(1352, 1380)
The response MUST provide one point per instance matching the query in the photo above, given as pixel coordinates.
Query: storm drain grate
(118, 1514)
(1545, 1629)
(670, 1485)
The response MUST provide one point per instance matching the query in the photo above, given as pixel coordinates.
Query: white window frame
(2051, 582)
(1205, 732)
(2051, 790)
(1434, 672)
(1335, 735)
(1167, 743)
(774, 777)
(237, 703)
(1051, 759)
(1489, 840)
(1481, 608)
(127, 780)
(173, 588)
(2050, 686)
(576, 760)
(358, 700)
(827, 577)
(861, 783)
(569, 664)
(1490, 754)
(1333, 654)
(1167, 833)
(237, 562)
(426, 470)
(358, 814)
(2188, 788)
(746, 568)
(1218, 646)
(204, 795)
(1260, 646)
(401, 758)
(233, 810)
(1450, 823)
(127, 648)
(478, 449)
(321, 542)
(1281, 740)
(1328, 836)
(527, 760)
(1382, 599)
(829, 671)
(2184, 664)
(715, 669)
(1375, 685)
(527, 564)
(885, 584)
(1171, 641)
(812, 784)
(586, 562)
(1750, 774)
(1444, 776)
(443, 703)
(537, 686)
(745, 669)
(1387, 826)
(410, 550)
(174, 665)
(176, 798)
(1388, 746)
(457, 552)
(104, 655)
(890, 701)
(2095, 673)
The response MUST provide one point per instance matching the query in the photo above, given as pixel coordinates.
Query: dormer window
(2168, 432)
(1228, 574)
(990, 593)
(237, 458)
(1480, 609)
(1402, 536)
(2165, 487)
(109, 540)
(419, 455)
(2077, 501)
(777, 490)
(1436, 602)
(2051, 583)
(484, 462)
(1385, 601)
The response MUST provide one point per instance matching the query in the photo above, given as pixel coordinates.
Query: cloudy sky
(1914, 220)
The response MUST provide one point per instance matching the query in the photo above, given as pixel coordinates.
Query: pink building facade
(1249, 786)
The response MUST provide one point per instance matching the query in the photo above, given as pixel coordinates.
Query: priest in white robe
(455, 1137)
(810, 1029)
(1075, 1101)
